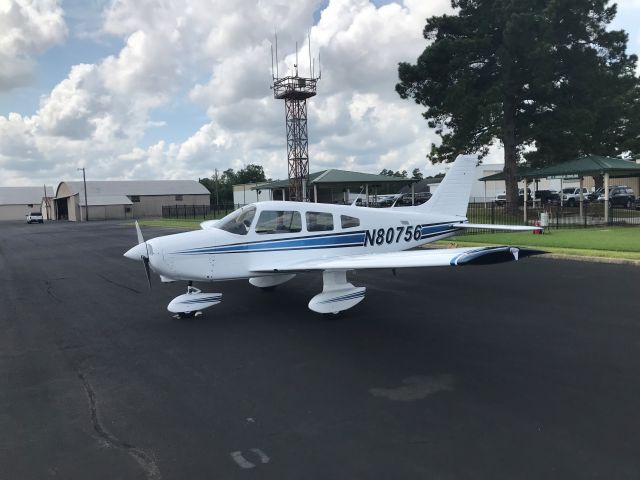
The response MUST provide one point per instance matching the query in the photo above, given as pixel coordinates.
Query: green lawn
(617, 242)
(172, 222)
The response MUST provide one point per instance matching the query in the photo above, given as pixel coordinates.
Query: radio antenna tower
(295, 90)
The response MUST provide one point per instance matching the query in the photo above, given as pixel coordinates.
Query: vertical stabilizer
(452, 195)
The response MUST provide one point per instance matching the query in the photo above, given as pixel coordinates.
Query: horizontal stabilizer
(514, 228)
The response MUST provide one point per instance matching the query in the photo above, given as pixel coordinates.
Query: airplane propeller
(144, 258)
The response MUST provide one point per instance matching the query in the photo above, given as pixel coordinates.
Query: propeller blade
(141, 240)
(145, 261)
(139, 232)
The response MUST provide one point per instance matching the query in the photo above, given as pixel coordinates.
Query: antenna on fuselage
(357, 197)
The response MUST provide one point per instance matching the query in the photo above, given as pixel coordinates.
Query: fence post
(493, 213)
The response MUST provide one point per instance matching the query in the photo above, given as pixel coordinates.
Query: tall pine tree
(540, 76)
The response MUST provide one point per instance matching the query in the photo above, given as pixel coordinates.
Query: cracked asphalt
(526, 370)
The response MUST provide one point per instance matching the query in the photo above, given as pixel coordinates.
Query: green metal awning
(335, 176)
(592, 165)
(522, 172)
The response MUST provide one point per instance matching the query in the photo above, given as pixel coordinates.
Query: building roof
(23, 195)
(107, 188)
(99, 200)
(585, 166)
(335, 176)
(594, 165)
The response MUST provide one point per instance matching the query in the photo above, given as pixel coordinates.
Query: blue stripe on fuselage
(333, 240)
(351, 239)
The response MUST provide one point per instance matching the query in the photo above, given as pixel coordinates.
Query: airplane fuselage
(291, 231)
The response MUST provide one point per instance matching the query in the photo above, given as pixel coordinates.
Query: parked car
(501, 198)
(620, 196)
(571, 196)
(34, 217)
(547, 197)
(637, 203)
(593, 196)
(420, 198)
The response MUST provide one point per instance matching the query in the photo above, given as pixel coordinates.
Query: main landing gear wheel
(183, 315)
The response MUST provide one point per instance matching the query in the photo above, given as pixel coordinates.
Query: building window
(127, 209)
(178, 198)
(135, 198)
(319, 222)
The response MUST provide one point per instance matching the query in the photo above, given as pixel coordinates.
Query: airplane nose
(137, 252)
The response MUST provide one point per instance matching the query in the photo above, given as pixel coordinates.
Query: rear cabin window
(238, 222)
(349, 222)
(319, 221)
(278, 221)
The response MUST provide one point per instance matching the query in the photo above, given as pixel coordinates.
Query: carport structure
(334, 186)
(589, 166)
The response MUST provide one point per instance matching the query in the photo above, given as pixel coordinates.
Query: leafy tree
(416, 174)
(543, 76)
(222, 185)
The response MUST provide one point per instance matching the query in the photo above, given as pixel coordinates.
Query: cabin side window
(349, 222)
(238, 222)
(278, 221)
(319, 222)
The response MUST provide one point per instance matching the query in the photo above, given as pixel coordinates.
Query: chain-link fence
(198, 211)
(553, 216)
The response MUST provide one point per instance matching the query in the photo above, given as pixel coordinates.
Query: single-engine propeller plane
(269, 242)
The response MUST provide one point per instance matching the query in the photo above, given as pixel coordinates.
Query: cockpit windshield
(239, 221)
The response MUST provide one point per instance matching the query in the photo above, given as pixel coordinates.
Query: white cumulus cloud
(216, 55)
(28, 27)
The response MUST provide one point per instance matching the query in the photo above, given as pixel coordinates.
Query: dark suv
(547, 197)
(620, 196)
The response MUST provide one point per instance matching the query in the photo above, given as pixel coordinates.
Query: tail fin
(452, 195)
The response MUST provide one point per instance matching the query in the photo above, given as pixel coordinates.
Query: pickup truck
(34, 217)
(571, 196)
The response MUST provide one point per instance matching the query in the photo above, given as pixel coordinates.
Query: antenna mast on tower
(295, 90)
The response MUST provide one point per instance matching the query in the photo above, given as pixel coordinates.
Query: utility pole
(86, 205)
(217, 199)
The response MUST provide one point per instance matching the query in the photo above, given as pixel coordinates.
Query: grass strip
(612, 242)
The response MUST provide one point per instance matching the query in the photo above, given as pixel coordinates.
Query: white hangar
(17, 202)
(124, 199)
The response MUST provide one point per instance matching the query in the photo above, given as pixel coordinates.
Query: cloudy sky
(172, 89)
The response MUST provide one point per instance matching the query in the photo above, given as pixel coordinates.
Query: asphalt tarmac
(526, 370)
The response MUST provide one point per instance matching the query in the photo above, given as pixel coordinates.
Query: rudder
(452, 195)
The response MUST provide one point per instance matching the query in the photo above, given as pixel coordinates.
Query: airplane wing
(406, 259)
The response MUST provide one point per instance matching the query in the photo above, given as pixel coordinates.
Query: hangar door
(62, 211)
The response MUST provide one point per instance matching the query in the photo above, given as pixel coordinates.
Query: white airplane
(269, 242)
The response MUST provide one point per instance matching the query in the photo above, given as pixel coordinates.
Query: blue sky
(149, 89)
